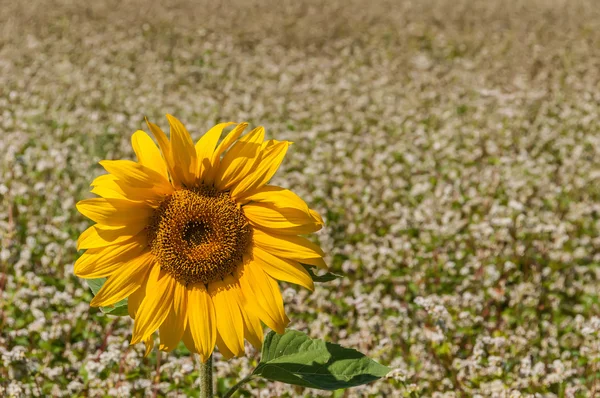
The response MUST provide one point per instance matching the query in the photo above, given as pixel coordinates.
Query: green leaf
(295, 358)
(327, 277)
(118, 309)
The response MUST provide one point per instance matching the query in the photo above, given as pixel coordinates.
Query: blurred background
(453, 148)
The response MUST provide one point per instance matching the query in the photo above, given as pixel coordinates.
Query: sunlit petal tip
(280, 328)
(163, 144)
(223, 349)
(155, 307)
(125, 282)
(317, 217)
(283, 269)
(148, 154)
(230, 324)
(230, 138)
(205, 149)
(135, 180)
(318, 262)
(172, 330)
(183, 153)
(202, 320)
(80, 204)
(149, 346)
(178, 126)
(136, 338)
(94, 302)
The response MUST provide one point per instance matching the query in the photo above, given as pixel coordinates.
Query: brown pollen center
(199, 235)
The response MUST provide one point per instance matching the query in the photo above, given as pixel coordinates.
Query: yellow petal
(101, 262)
(202, 320)
(164, 145)
(149, 346)
(205, 148)
(317, 217)
(280, 220)
(136, 298)
(171, 331)
(283, 270)
(210, 174)
(277, 196)
(115, 212)
(98, 236)
(263, 298)
(183, 153)
(318, 262)
(155, 306)
(253, 331)
(238, 160)
(229, 140)
(230, 324)
(188, 340)
(263, 170)
(148, 153)
(141, 196)
(223, 349)
(137, 176)
(287, 246)
(102, 179)
(180, 299)
(123, 283)
(109, 187)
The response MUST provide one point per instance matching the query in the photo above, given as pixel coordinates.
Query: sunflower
(196, 240)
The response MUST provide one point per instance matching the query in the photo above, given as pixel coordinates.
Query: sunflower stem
(233, 389)
(206, 378)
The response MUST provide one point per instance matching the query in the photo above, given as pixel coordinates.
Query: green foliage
(295, 358)
(118, 309)
(326, 277)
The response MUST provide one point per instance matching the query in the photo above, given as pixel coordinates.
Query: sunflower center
(199, 235)
(196, 233)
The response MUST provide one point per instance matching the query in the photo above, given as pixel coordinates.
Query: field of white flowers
(452, 147)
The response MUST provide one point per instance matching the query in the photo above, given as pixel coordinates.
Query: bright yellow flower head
(196, 240)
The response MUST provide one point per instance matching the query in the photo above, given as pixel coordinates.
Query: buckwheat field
(452, 147)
